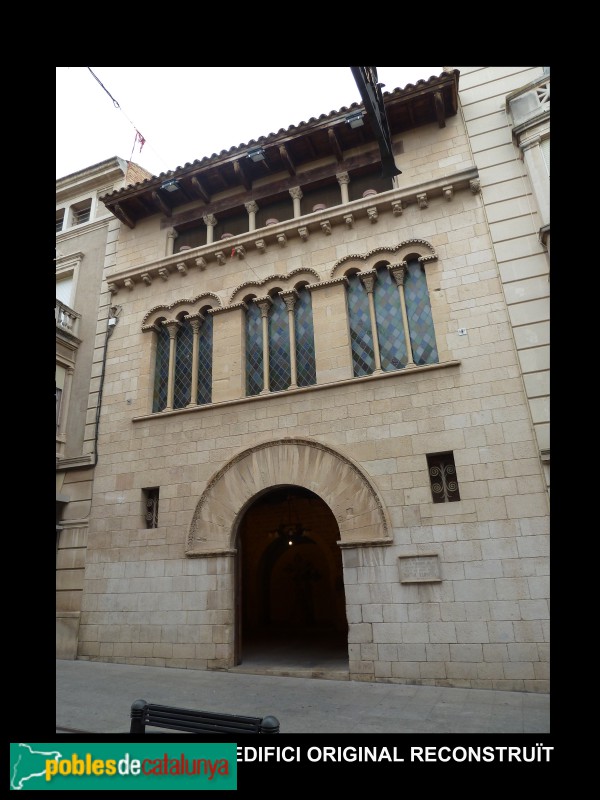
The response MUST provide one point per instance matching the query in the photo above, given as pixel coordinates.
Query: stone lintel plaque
(419, 568)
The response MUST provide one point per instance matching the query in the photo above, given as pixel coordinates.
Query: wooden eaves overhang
(328, 139)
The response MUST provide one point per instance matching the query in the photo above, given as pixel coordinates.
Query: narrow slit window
(151, 507)
(443, 479)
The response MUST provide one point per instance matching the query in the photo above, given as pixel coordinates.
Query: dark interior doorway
(292, 607)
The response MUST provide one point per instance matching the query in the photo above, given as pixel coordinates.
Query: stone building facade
(81, 315)
(316, 415)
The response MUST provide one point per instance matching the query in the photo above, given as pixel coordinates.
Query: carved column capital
(172, 233)
(195, 322)
(209, 220)
(296, 193)
(343, 177)
(399, 272)
(251, 206)
(368, 280)
(172, 325)
(264, 303)
(289, 298)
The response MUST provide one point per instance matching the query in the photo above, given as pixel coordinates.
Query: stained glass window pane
(183, 365)
(280, 375)
(390, 330)
(254, 350)
(205, 347)
(305, 343)
(420, 321)
(361, 338)
(161, 370)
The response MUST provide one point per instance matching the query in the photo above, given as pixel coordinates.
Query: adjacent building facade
(325, 402)
(81, 313)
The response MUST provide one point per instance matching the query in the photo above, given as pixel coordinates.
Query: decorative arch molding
(355, 502)
(420, 248)
(189, 306)
(271, 281)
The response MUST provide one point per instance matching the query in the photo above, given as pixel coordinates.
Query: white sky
(188, 113)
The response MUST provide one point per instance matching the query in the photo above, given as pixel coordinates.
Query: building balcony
(67, 320)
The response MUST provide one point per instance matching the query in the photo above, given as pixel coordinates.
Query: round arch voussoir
(355, 502)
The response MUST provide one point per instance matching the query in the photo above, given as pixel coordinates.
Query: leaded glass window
(182, 393)
(161, 370)
(361, 338)
(305, 343)
(390, 329)
(280, 375)
(420, 321)
(254, 350)
(205, 345)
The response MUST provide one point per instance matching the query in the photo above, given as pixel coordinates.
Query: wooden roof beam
(241, 175)
(122, 216)
(438, 103)
(161, 204)
(287, 159)
(335, 145)
(199, 189)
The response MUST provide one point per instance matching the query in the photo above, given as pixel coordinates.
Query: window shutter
(545, 145)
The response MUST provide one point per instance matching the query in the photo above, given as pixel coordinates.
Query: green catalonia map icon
(28, 765)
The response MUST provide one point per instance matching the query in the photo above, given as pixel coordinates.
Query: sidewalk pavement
(96, 697)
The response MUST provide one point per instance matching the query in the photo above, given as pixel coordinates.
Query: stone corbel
(422, 200)
(372, 214)
(129, 283)
(448, 192)
(113, 288)
(475, 185)
(239, 251)
(349, 220)
(164, 273)
(281, 239)
(261, 245)
(397, 208)
(220, 256)
(303, 233)
(147, 278)
(326, 227)
(181, 268)
(201, 262)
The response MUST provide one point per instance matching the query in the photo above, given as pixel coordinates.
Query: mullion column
(368, 280)
(289, 299)
(195, 322)
(264, 303)
(399, 272)
(172, 327)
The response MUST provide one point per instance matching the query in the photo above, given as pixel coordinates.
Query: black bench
(188, 720)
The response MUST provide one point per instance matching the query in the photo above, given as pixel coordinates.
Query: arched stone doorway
(292, 607)
(359, 513)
